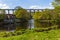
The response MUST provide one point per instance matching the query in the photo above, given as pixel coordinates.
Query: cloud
(41, 7)
(34, 7)
(4, 6)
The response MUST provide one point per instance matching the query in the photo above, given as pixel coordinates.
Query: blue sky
(27, 4)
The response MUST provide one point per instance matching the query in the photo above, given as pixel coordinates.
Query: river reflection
(31, 23)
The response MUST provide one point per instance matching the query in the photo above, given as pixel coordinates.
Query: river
(31, 23)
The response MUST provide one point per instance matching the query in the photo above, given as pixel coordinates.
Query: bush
(9, 34)
(19, 32)
(3, 34)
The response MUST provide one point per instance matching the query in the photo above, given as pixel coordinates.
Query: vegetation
(46, 23)
(2, 15)
(22, 15)
(44, 19)
(19, 12)
(47, 18)
(33, 35)
(56, 3)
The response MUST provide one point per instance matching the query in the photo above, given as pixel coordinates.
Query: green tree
(43, 19)
(2, 15)
(21, 13)
(56, 4)
(23, 16)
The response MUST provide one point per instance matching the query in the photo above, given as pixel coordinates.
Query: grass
(30, 35)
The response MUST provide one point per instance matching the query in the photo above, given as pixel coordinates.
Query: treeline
(42, 19)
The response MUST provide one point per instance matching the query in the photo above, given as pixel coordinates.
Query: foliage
(57, 9)
(21, 13)
(14, 33)
(56, 3)
(2, 13)
(50, 35)
(47, 18)
(57, 15)
(23, 16)
(43, 19)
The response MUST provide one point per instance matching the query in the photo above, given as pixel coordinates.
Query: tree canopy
(2, 13)
(56, 3)
(21, 13)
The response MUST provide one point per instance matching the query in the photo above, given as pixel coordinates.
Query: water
(31, 23)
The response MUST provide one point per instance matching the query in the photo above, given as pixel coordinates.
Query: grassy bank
(31, 35)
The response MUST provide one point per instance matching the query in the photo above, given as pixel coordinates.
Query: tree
(56, 3)
(21, 13)
(23, 16)
(44, 19)
(2, 13)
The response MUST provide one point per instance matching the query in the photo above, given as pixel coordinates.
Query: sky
(27, 4)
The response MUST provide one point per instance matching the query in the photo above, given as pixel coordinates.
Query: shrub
(3, 34)
(19, 32)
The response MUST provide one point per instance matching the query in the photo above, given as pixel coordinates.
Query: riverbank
(30, 35)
